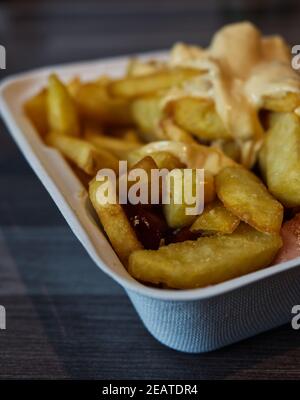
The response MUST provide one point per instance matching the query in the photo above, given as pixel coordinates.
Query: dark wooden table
(65, 318)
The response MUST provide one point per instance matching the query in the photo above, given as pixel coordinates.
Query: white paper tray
(194, 320)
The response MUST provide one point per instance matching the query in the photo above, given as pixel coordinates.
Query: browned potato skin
(246, 197)
(130, 87)
(116, 225)
(200, 118)
(215, 219)
(280, 158)
(82, 153)
(207, 261)
(36, 110)
(61, 109)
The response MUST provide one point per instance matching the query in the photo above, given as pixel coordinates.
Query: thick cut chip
(36, 111)
(174, 132)
(215, 219)
(115, 224)
(146, 164)
(135, 86)
(193, 155)
(200, 118)
(166, 160)
(176, 208)
(262, 160)
(94, 102)
(146, 113)
(82, 153)
(247, 198)
(206, 261)
(280, 160)
(118, 147)
(61, 109)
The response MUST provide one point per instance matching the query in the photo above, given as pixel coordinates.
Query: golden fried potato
(174, 132)
(192, 155)
(128, 134)
(175, 211)
(280, 160)
(245, 196)
(115, 224)
(163, 159)
(82, 153)
(118, 147)
(95, 103)
(73, 86)
(147, 164)
(215, 219)
(199, 118)
(262, 160)
(36, 110)
(142, 85)
(206, 261)
(61, 109)
(146, 114)
(287, 102)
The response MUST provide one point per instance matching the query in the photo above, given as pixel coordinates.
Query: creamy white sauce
(238, 70)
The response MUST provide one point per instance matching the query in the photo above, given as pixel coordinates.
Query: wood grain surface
(65, 318)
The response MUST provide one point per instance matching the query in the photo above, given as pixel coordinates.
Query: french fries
(219, 109)
(245, 196)
(163, 159)
(142, 85)
(215, 219)
(206, 261)
(115, 224)
(118, 147)
(61, 110)
(280, 159)
(175, 211)
(36, 110)
(146, 113)
(199, 118)
(95, 103)
(193, 155)
(147, 164)
(82, 153)
(174, 132)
